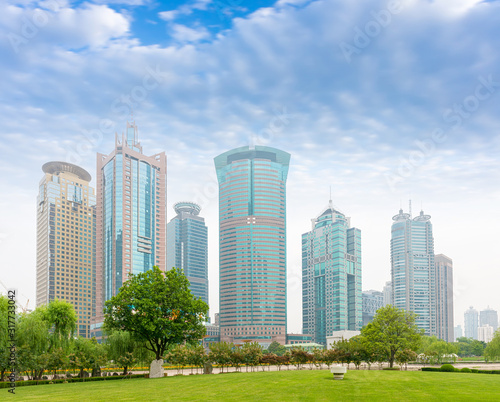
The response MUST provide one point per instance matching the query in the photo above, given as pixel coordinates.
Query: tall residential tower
(444, 297)
(187, 247)
(65, 261)
(331, 276)
(252, 251)
(131, 216)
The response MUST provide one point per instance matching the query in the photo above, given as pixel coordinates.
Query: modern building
(489, 317)
(485, 333)
(444, 297)
(387, 293)
(372, 301)
(458, 332)
(338, 336)
(471, 323)
(131, 216)
(331, 276)
(413, 268)
(187, 247)
(252, 238)
(65, 258)
(295, 339)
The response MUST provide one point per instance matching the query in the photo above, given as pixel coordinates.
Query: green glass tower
(331, 276)
(252, 237)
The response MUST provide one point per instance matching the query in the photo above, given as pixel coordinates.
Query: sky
(383, 101)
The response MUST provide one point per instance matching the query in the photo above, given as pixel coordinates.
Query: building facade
(252, 244)
(413, 268)
(65, 266)
(187, 247)
(331, 276)
(131, 216)
(471, 323)
(489, 317)
(444, 297)
(458, 332)
(372, 301)
(485, 333)
(387, 293)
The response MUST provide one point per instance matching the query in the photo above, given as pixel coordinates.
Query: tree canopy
(492, 351)
(391, 331)
(157, 308)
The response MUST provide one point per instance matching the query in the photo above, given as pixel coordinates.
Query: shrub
(474, 370)
(466, 370)
(391, 368)
(447, 368)
(430, 369)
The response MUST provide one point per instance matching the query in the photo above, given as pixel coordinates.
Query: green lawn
(303, 385)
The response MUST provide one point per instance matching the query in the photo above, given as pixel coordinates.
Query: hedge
(6, 384)
(464, 370)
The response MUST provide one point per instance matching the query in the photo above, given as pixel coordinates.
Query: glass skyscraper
(187, 247)
(471, 321)
(65, 259)
(131, 216)
(444, 297)
(331, 276)
(413, 268)
(252, 250)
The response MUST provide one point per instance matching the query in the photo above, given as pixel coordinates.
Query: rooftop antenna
(330, 202)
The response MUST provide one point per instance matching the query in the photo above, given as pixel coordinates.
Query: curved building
(252, 252)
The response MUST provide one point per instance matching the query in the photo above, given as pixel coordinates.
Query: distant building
(187, 247)
(387, 293)
(458, 332)
(331, 276)
(485, 333)
(489, 317)
(340, 336)
(65, 258)
(372, 301)
(444, 297)
(413, 268)
(471, 323)
(293, 339)
(309, 347)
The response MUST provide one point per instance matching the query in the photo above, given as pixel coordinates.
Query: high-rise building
(187, 247)
(65, 260)
(485, 333)
(131, 216)
(252, 238)
(372, 301)
(489, 317)
(444, 297)
(331, 276)
(413, 268)
(387, 293)
(471, 323)
(458, 333)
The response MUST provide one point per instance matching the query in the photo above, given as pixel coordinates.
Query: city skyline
(398, 120)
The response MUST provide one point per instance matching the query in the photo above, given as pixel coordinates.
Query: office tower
(488, 317)
(131, 216)
(331, 276)
(252, 237)
(187, 247)
(65, 261)
(387, 293)
(372, 301)
(485, 333)
(458, 332)
(471, 323)
(413, 268)
(444, 297)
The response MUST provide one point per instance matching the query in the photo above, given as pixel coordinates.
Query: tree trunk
(125, 370)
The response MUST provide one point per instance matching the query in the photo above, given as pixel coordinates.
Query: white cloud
(183, 33)
(168, 15)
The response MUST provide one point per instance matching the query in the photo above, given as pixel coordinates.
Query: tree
(392, 330)
(252, 352)
(88, 354)
(492, 351)
(220, 354)
(276, 348)
(62, 319)
(124, 350)
(157, 308)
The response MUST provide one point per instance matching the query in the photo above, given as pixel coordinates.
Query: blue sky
(380, 100)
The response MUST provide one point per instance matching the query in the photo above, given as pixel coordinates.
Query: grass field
(303, 385)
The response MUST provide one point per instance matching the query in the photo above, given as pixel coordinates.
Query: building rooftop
(65, 167)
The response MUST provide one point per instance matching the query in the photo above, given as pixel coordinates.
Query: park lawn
(293, 385)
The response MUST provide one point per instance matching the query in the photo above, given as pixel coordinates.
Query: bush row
(449, 368)
(6, 384)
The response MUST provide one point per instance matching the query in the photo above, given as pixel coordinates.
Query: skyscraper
(187, 247)
(444, 297)
(252, 236)
(488, 317)
(458, 332)
(331, 276)
(65, 264)
(131, 216)
(387, 293)
(413, 268)
(471, 323)
(372, 301)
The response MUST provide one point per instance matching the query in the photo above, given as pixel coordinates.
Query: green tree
(124, 350)
(88, 354)
(392, 330)
(220, 354)
(252, 352)
(157, 308)
(276, 348)
(492, 351)
(62, 319)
